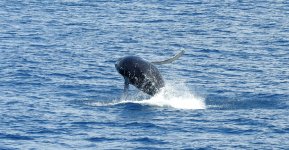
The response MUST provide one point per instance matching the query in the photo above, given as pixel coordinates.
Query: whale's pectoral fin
(125, 89)
(167, 61)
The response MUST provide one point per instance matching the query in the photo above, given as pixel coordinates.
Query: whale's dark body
(140, 73)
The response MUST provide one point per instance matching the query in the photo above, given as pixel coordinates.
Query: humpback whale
(142, 74)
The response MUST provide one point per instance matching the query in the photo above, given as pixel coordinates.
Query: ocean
(59, 88)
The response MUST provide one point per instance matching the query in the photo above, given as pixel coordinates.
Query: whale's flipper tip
(170, 60)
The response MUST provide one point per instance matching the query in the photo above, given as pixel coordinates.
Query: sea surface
(59, 88)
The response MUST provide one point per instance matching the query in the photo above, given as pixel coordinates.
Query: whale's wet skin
(140, 73)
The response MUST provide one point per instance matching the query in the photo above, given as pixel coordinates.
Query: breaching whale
(142, 73)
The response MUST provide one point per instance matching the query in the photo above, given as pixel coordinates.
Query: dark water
(59, 88)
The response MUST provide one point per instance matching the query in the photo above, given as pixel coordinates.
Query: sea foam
(178, 97)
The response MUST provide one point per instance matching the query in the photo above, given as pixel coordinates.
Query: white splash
(179, 98)
(170, 96)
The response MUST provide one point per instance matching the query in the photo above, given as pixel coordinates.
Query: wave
(170, 96)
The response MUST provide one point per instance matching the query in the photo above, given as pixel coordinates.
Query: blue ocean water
(59, 88)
